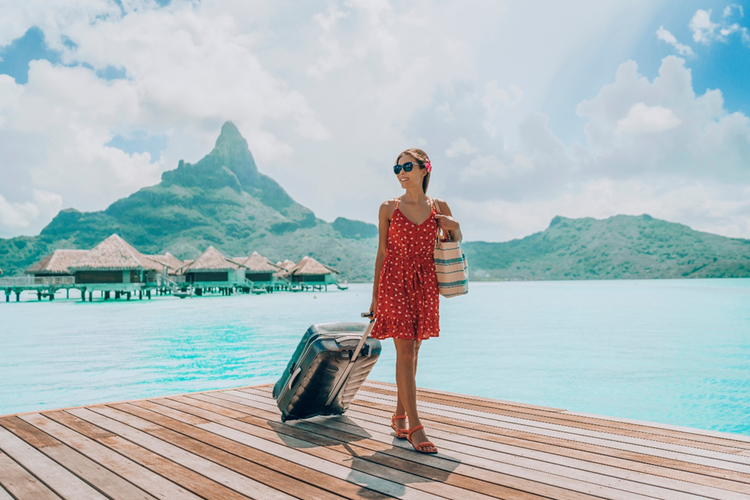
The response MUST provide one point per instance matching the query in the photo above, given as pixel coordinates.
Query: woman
(405, 295)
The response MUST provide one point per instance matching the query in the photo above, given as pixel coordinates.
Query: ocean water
(670, 351)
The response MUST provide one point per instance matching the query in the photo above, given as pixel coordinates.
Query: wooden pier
(230, 444)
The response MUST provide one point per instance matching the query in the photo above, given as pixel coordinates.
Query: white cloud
(703, 29)
(653, 147)
(704, 205)
(496, 100)
(460, 147)
(666, 36)
(729, 10)
(17, 217)
(706, 31)
(642, 119)
(187, 72)
(327, 93)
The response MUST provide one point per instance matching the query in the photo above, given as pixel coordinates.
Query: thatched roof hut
(308, 266)
(56, 263)
(259, 268)
(114, 254)
(114, 261)
(309, 269)
(213, 266)
(238, 260)
(259, 264)
(172, 263)
(287, 264)
(209, 261)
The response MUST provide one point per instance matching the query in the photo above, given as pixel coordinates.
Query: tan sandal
(425, 444)
(400, 433)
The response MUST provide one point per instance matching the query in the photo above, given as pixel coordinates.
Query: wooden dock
(230, 444)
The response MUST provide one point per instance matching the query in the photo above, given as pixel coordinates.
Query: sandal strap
(398, 417)
(426, 444)
(415, 429)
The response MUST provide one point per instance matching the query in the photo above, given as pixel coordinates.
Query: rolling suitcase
(327, 369)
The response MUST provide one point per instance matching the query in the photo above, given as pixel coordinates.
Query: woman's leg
(400, 409)
(406, 365)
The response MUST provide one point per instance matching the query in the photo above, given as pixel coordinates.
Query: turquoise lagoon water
(671, 351)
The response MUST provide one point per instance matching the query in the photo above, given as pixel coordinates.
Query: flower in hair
(428, 166)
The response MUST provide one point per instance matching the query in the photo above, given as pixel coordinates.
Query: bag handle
(436, 206)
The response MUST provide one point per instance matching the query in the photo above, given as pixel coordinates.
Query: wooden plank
(133, 472)
(655, 451)
(564, 418)
(580, 427)
(103, 480)
(332, 451)
(188, 479)
(510, 469)
(56, 477)
(302, 453)
(665, 472)
(662, 479)
(683, 471)
(706, 457)
(4, 495)
(577, 469)
(729, 443)
(215, 444)
(222, 451)
(727, 438)
(413, 467)
(614, 477)
(18, 482)
(502, 427)
(243, 486)
(331, 460)
(422, 390)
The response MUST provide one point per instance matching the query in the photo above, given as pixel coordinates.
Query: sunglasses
(407, 167)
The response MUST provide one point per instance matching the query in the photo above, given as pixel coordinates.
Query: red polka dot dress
(408, 297)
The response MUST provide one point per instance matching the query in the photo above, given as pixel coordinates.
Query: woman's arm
(447, 223)
(384, 221)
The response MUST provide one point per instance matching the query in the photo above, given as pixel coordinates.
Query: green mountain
(223, 201)
(620, 247)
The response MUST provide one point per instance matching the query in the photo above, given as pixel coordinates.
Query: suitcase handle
(294, 377)
(345, 375)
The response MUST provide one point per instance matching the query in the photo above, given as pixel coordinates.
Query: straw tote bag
(450, 265)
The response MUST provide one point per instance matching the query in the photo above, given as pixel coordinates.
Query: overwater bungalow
(309, 273)
(171, 265)
(284, 268)
(259, 268)
(51, 273)
(115, 266)
(213, 271)
(263, 273)
(56, 264)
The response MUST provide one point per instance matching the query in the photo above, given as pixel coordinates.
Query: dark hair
(421, 158)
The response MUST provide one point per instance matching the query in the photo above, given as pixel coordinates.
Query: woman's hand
(447, 223)
(374, 307)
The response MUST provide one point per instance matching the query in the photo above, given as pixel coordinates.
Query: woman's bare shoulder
(387, 208)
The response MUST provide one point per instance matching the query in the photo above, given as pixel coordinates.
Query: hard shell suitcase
(327, 369)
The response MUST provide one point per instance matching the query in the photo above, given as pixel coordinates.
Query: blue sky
(528, 109)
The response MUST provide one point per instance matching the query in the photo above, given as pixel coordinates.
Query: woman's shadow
(377, 462)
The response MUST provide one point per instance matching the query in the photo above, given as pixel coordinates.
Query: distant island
(620, 247)
(224, 201)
